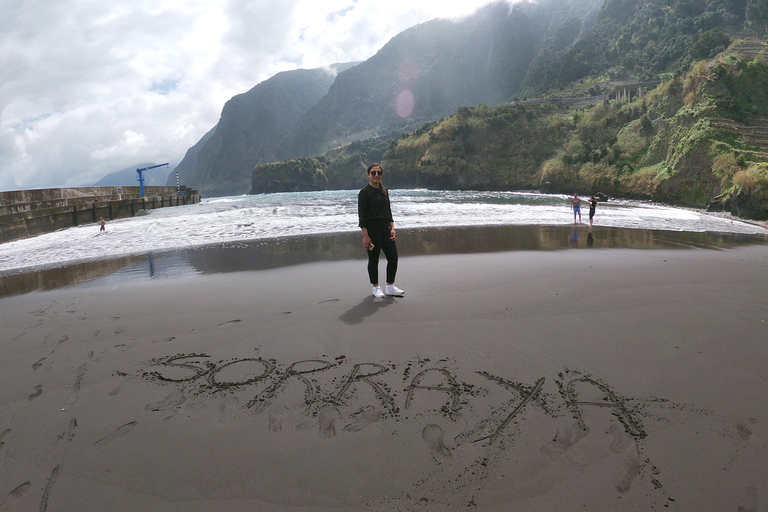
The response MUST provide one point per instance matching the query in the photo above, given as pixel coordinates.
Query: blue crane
(141, 176)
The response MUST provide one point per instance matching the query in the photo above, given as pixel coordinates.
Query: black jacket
(373, 205)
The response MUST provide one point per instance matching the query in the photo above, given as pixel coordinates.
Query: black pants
(381, 242)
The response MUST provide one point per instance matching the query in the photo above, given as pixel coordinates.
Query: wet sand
(618, 379)
(287, 251)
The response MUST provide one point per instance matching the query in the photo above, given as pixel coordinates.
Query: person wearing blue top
(375, 216)
(576, 207)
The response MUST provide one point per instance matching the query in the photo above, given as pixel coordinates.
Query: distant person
(375, 216)
(103, 224)
(576, 207)
(592, 208)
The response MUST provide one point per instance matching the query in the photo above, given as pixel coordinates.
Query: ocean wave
(246, 218)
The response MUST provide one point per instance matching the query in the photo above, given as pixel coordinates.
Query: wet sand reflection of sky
(281, 252)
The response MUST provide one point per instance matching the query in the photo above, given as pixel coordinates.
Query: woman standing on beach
(378, 228)
(592, 208)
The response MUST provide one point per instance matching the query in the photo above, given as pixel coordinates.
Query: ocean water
(228, 220)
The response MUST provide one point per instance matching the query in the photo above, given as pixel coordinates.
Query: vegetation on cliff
(483, 148)
(490, 148)
(695, 138)
(339, 169)
(643, 39)
(698, 139)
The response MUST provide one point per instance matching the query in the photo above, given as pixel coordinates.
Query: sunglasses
(377, 173)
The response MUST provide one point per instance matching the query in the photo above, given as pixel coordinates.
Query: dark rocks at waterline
(747, 205)
(720, 204)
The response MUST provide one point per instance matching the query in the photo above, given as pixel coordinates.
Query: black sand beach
(287, 251)
(508, 378)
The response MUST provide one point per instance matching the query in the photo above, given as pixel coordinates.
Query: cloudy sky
(89, 87)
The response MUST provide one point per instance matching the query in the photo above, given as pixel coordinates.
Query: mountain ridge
(698, 140)
(251, 126)
(129, 177)
(427, 71)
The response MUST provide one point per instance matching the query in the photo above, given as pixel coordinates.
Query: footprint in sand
(15, 494)
(38, 364)
(71, 429)
(753, 505)
(327, 422)
(65, 338)
(117, 434)
(564, 439)
(229, 409)
(433, 436)
(79, 376)
(118, 330)
(2, 435)
(365, 419)
(276, 416)
(621, 440)
(37, 393)
(621, 444)
(633, 469)
(744, 431)
(169, 402)
(235, 321)
(119, 388)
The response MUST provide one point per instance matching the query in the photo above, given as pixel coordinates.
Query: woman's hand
(366, 241)
(392, 233)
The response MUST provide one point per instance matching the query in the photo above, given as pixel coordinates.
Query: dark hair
(383, 190)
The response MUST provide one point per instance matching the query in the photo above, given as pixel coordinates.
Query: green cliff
(699, 139)
(690, 128)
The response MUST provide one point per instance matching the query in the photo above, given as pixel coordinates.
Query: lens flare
(405, 104)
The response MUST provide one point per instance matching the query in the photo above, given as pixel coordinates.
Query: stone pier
(25, 213)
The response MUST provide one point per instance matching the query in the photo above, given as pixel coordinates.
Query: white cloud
(88, 88)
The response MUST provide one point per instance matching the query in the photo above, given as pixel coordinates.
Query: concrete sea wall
(25, 213)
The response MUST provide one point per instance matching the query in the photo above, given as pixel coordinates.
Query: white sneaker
(378, 292)
(394, 290)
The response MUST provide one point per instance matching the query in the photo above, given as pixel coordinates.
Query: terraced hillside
(751, 48)
(753, 135)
